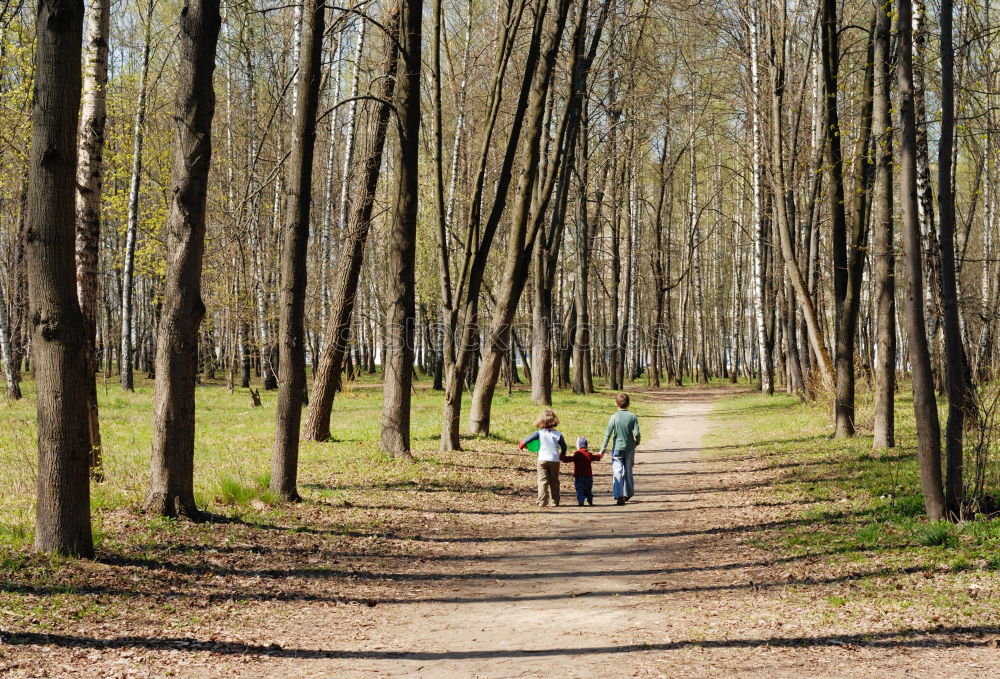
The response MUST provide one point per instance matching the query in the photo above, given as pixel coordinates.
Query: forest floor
(737, 558)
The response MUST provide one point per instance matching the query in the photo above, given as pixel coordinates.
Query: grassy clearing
(849, 521)
(365, 518)
(233, 447)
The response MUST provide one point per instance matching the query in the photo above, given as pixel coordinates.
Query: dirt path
(667, 586)
(672, 585)
(574, 591)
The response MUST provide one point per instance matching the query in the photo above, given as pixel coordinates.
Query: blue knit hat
(581, 442)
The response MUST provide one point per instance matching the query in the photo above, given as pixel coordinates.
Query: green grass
(233, 442)
(839, 506)
(362, 512)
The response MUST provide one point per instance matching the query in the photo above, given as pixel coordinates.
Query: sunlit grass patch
(232, 490)
(850, 509)
(936, 534)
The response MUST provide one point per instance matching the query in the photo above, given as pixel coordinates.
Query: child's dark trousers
(584, 489)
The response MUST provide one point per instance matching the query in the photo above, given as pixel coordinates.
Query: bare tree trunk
(466, 299)
(757, 219)
(171, 483)
(541, 330)
(352, 132)
(694, 236)
(884, 251)
(925, 191)
(6, 354)
(924, 403)
(19, 295)
(784, 220)
(291, 333)
(335, 342)
(521, 237)
(132, 227)
(615, 255)
(444, 349)
(582, 379)
(864, 177)
(57, 328)
(402, 242)
(844, 342)
(550, 239)
(955, 373)
(89, 186)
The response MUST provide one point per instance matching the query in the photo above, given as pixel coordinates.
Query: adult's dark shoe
(621, 500)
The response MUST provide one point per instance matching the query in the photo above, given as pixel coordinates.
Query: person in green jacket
(623, 435)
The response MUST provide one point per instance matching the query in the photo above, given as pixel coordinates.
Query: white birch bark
(6, 355)
(701, 368)
(352, 122)
(125, 358)
(89, 185)
(325, 222)
(89, 175)
(757, 222)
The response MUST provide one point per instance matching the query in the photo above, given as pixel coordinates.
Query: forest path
(576, 593)
(671, 585)
(569, 592)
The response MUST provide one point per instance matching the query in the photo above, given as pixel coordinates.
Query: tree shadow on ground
(931, 638)
(159, 562)
(238, 594)
(458, 485)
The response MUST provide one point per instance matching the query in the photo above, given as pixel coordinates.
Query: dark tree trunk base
(174, 506)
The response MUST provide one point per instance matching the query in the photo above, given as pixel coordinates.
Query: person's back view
(623, 435)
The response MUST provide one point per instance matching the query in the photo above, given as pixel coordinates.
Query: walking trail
(666, 586)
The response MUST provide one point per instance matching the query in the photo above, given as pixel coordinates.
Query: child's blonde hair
(547, 419)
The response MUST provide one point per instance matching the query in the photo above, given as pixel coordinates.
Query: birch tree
(132, 227)
(89, 189)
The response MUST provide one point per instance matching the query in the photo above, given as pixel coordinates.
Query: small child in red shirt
(583, 473)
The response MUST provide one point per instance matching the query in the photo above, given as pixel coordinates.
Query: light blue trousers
(623, 485)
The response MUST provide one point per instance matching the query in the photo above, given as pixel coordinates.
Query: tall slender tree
(401, 280)
(955, 370)
(844, 304)
(462, 341)
(524, 230)
(784, 208)
(884, 247)
(89, 189)
(10, 372)
(336, 341)
(924, 403)
(132, 225)
(291, 330)
(171, 483)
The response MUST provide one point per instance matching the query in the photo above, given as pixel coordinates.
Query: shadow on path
(939, 638)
